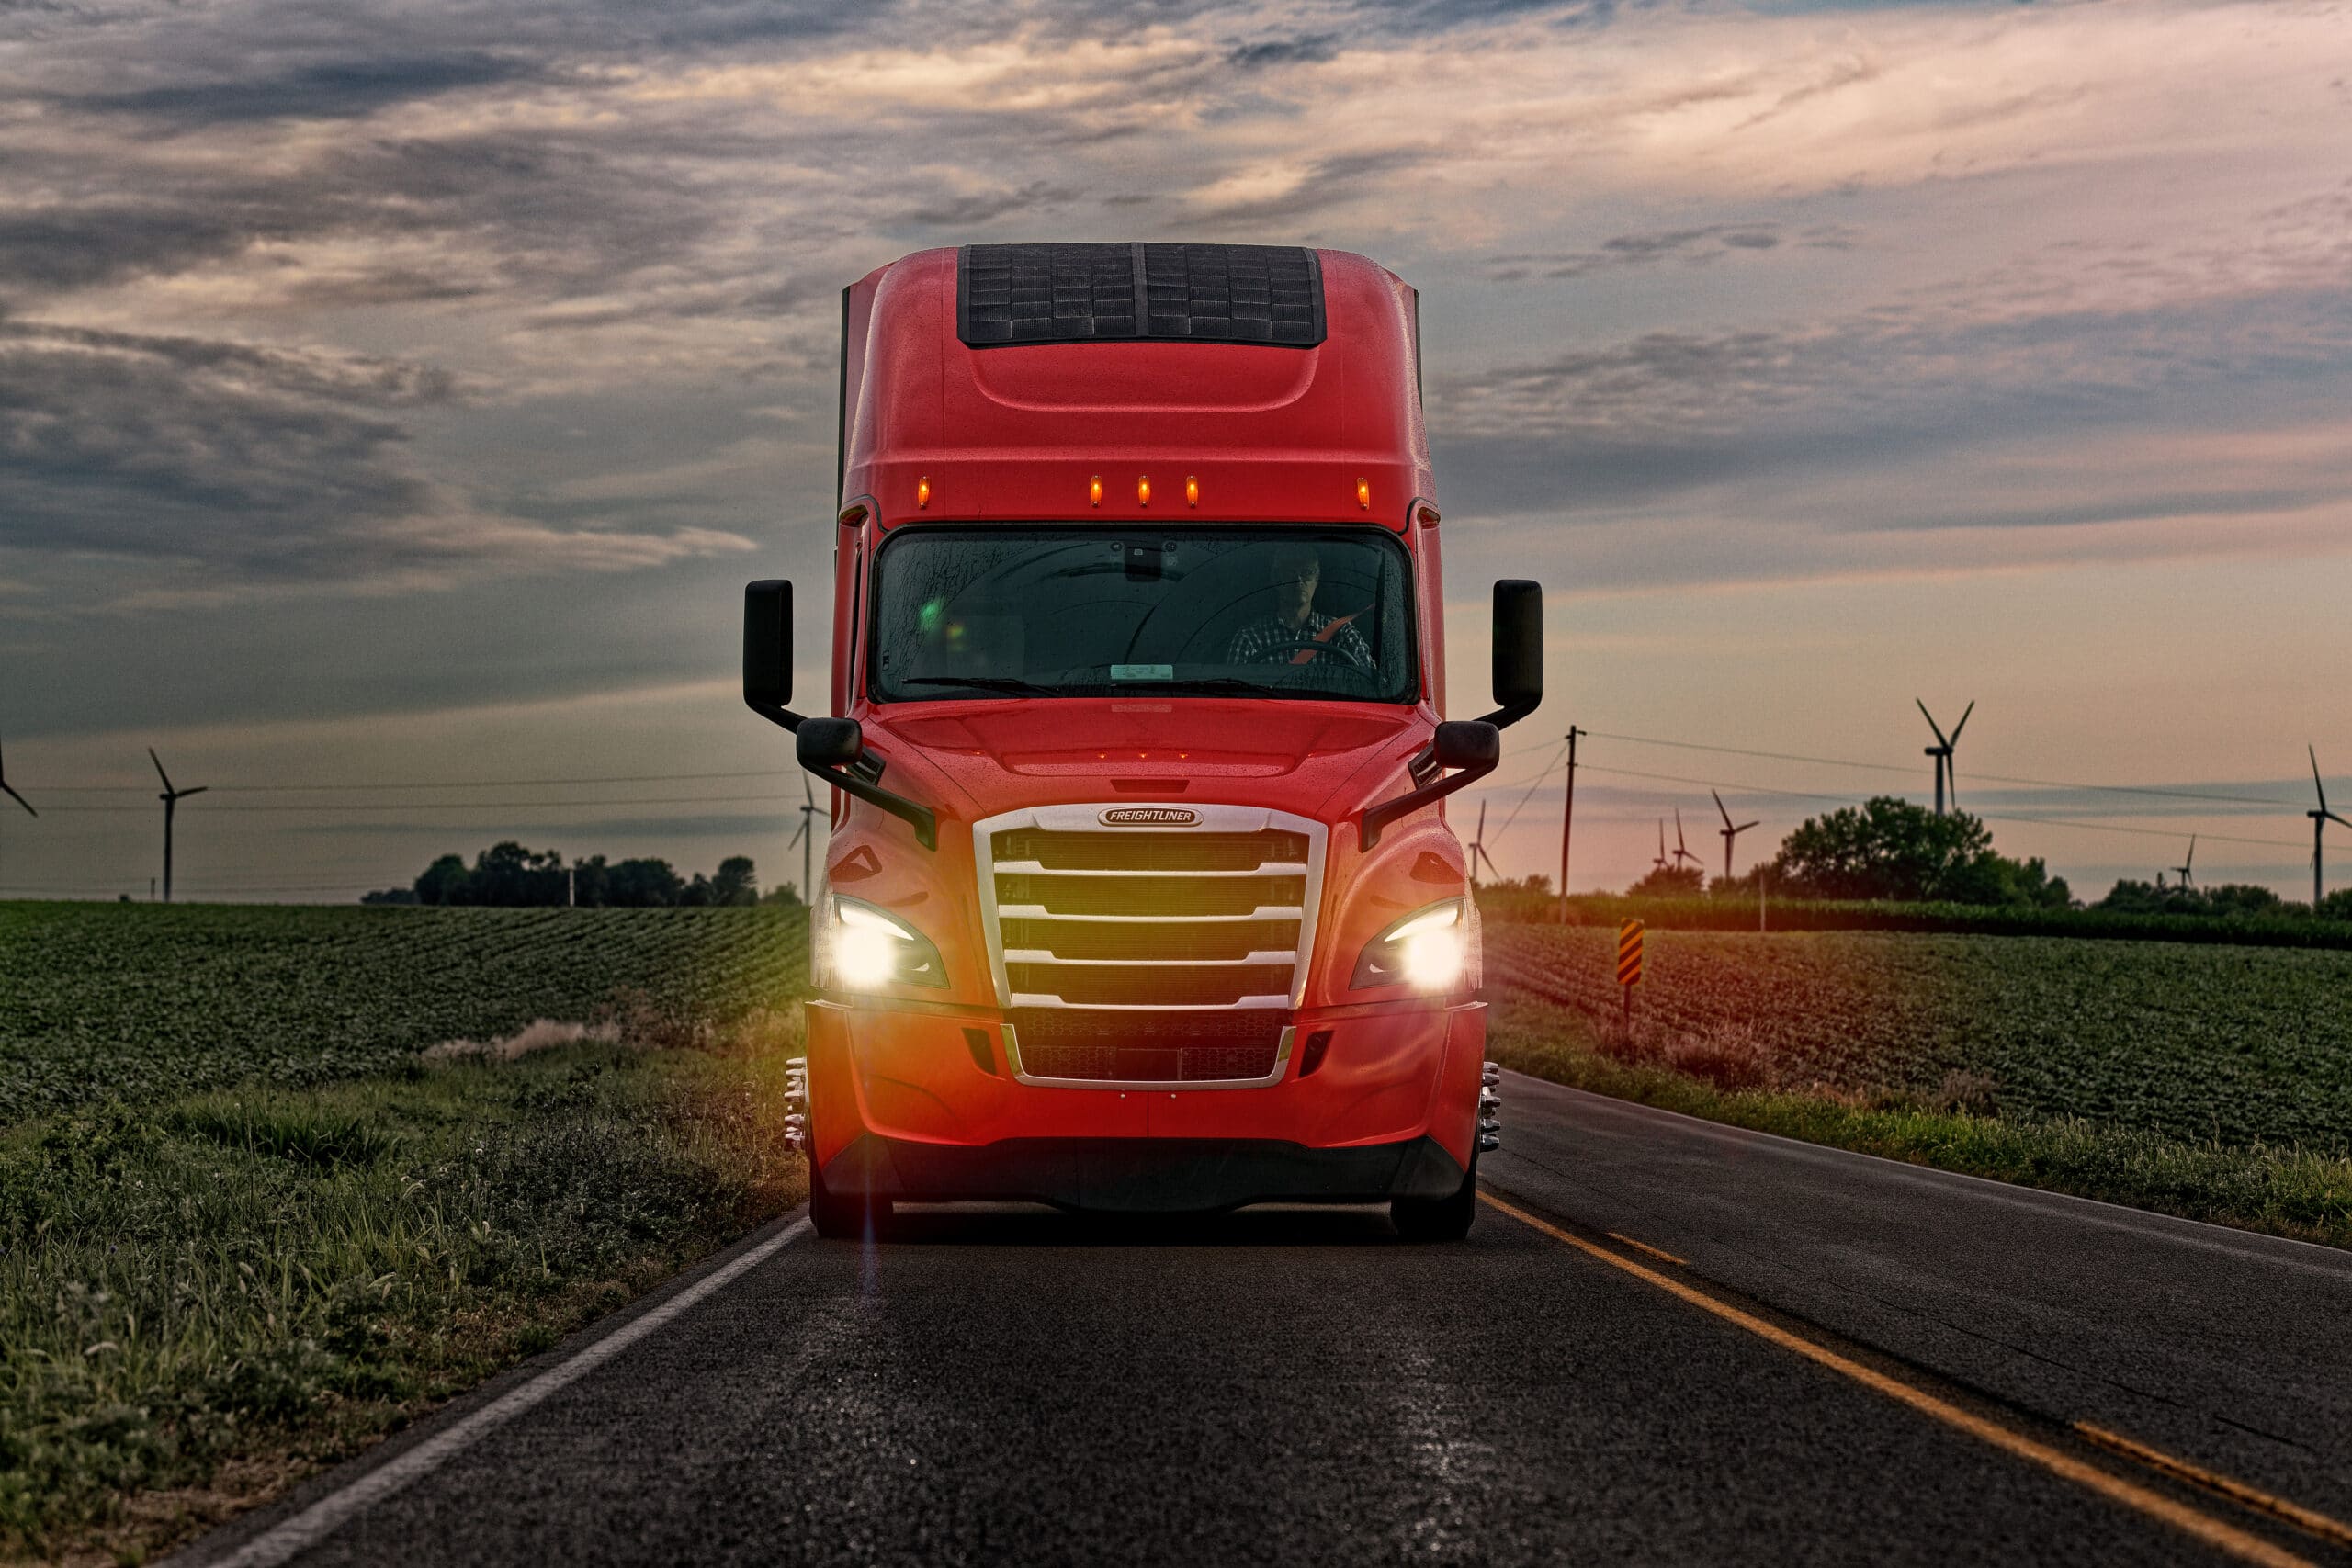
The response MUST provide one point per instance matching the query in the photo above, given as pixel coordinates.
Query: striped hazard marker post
(1628, 963)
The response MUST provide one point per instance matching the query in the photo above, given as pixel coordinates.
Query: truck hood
(1297, 756)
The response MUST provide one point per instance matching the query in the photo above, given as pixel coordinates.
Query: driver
(1282, 638)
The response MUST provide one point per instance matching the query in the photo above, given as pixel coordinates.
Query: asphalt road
(1809, 1356)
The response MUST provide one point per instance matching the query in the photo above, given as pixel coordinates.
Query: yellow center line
(2238, 1492)
(1645, 1246)
(2213, 1532)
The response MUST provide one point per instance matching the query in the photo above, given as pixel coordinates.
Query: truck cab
(1139, 895)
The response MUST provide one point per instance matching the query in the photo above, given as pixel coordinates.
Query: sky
(394, 398)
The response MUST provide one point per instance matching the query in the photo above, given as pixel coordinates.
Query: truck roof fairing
(1277, 407)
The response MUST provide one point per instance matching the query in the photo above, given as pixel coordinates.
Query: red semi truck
(1140, 895)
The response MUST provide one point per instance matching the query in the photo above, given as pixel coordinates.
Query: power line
(461, 804)
(2087, 826)
(426, 783)
(1530, 786)
(1990, 778)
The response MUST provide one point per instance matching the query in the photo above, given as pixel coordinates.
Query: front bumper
(1139, 1176)
(925, 1104)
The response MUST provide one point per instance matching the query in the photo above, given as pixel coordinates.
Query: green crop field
(249, 1220)
(101, 1000)
(2233, 1044)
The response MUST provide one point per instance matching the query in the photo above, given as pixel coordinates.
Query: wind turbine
(806, 843)
(14, 795)
(171, 798)
(1661, 862)
(1681, 849)
(1728, 832)
(2320, 820)
(1941, 752)
(1478, 849)
(2184, 867)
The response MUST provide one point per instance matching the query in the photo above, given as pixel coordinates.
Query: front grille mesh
(1121, 1047)
(1148, 1064)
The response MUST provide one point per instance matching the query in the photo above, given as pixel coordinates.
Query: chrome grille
(1219, 914)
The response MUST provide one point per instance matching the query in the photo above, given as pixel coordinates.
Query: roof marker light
(1364, 494)
(1192, 490)
(1143, 490)
(922, 492)
(1094, 490)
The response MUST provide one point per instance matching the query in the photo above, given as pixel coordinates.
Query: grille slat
(1125, 984)
(1236, 897)
(1039, 912)
(1131, 849)
(1231, 942)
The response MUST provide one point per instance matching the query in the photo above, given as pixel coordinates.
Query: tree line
(509, 875)
(1892, 849)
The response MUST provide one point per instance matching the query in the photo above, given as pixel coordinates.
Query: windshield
(1276, 612)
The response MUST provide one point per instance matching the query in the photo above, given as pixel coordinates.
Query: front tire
(843, 1216)
(1439, 1219)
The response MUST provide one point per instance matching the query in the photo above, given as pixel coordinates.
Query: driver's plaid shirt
(1274, 640)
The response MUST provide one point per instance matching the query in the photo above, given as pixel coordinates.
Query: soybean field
(101, 1001)
(2236, 1044)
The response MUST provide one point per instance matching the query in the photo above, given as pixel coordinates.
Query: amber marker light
(1192, 490)
(1364, 494)
(1094, 490)
(1143, 490)
(922, 492)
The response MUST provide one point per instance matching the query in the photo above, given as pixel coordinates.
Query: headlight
(1426, 950)
(864, 948)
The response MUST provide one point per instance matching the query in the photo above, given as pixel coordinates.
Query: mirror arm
(1511, 713)
(775, 714)
(851, 780)
(1376, 818)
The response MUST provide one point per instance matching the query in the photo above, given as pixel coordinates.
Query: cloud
(333, 89)
(1692, 247)
(238, 469)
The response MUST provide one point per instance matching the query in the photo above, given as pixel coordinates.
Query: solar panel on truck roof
(1008, 295)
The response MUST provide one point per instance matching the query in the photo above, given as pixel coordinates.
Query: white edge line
(282, 1542)
(2017, 1190)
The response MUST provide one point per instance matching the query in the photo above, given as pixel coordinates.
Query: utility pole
(570, 889)
(1567, 820)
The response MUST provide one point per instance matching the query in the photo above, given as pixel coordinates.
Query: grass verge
(2283, 1190)
(204, 1298)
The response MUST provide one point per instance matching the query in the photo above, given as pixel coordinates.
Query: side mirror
(1465, 743)
(825, 746)
(1519, 649)
(768, 651)
(821, 743)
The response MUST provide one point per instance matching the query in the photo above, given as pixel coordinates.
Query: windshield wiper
(1217, 686)
(1011, 685)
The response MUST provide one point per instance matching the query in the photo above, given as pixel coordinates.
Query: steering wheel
(1311, 645)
